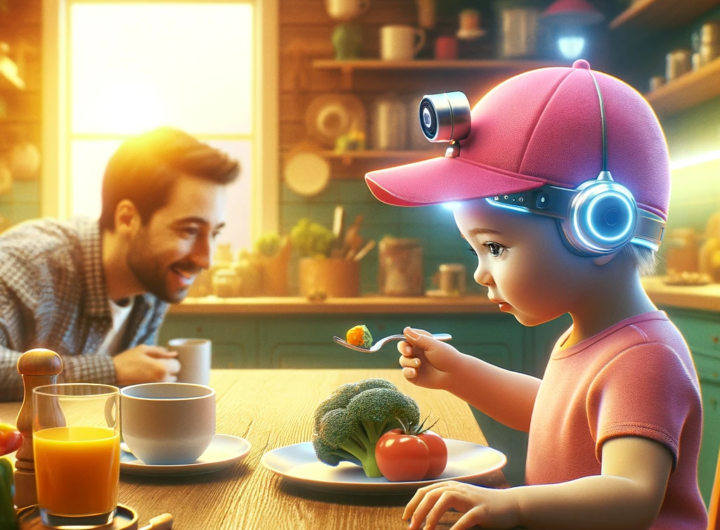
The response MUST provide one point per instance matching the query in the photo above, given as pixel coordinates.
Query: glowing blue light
(644, 243)
(451, 205)
(625, 231)
(583, 240)
(571, 47)
(508, 206)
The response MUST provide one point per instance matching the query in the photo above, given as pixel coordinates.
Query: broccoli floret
(350, 421)
(342, 395)
(380, 409)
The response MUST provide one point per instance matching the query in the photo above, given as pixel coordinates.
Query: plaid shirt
(53, 295)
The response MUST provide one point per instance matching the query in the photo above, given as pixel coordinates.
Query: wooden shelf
(658, 14)
(377, 64)
(348, 157)
(687, 91)
(347, 68)
(362, 305)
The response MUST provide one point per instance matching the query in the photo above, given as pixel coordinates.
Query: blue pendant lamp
(569, 18)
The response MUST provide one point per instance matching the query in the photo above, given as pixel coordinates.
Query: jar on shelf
(226, 283)
(401, 267)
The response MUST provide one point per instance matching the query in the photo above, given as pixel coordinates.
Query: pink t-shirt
(636, 378)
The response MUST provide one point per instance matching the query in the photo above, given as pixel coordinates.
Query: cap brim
(445, 179)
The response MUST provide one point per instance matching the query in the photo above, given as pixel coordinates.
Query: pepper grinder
(38, 367)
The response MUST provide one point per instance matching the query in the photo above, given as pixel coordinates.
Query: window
(116, 68)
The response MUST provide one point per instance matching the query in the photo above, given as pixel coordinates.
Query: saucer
(125, 519)
(224, 451)
(470, 34)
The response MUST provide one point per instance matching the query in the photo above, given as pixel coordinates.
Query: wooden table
(271, 409)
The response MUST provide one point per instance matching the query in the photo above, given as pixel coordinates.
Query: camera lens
(428, 119)
(445, 117)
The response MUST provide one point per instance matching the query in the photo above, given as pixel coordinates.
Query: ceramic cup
(167, 423)
(400, 43)
(345, 10)
(195, 357)
(446, 48)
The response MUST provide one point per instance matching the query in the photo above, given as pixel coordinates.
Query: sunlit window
(129, 67)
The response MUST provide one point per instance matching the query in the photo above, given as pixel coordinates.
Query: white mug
(400, 43)
(195, 358)
(345, 10)
(167, 423)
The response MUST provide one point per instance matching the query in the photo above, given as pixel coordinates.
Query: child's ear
(602, 260)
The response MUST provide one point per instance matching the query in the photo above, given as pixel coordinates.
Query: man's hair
(145, 168)
(644, 259)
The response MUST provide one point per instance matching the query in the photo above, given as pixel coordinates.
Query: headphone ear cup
(565, 231)
(602, 218)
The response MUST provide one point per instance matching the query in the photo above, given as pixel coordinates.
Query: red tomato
(438, 454)
(405, 457)
(10, 439)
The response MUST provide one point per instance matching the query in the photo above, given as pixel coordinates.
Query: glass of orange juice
(76, 441)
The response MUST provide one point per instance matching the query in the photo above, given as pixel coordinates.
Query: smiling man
(96, 291)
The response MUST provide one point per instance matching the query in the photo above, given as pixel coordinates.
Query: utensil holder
(336, 277)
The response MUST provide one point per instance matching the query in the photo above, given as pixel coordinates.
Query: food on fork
(349, 422)
(359, 336)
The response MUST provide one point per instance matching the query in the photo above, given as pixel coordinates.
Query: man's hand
(146, 364)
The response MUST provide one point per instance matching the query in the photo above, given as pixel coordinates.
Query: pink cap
(543, 127)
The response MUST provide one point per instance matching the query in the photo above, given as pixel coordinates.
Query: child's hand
(482, 506)
(426, 361)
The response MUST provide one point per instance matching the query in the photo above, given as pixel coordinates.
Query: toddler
(562, 178)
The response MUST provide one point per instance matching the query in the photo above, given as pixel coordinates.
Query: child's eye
(495, 249)
(472, 251)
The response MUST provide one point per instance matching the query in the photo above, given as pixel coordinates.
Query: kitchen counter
(705, 298)
(362, 305)
(701, 297)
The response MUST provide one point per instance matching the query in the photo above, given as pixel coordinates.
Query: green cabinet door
(234, 337)
(701, 330)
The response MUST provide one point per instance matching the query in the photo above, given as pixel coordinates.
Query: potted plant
(320, 274)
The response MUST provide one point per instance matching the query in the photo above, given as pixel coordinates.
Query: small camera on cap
(445, 117)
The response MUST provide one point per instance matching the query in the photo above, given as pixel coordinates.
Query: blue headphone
(597, 218)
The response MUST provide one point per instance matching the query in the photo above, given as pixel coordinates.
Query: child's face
(523, 262)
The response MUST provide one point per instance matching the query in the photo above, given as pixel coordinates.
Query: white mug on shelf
(400, 43)
(345, 10)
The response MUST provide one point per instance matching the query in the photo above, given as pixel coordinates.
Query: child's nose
(483, 277)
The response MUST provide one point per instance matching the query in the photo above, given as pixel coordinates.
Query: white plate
(306, 172)
(298, 463)
(224, 451)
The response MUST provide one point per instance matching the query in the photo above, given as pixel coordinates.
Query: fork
(379, 344)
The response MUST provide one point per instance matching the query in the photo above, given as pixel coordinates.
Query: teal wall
(433, 225)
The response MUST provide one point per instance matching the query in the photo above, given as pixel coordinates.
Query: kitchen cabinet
(701, 330)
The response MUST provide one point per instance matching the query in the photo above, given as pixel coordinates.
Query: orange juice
(77, 470)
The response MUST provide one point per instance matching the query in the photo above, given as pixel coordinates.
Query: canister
(390, 124)
(226, 283)
(678, 62)
(452, 279)
(401, 267)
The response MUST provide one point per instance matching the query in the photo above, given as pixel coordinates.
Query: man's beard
(151, 274)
